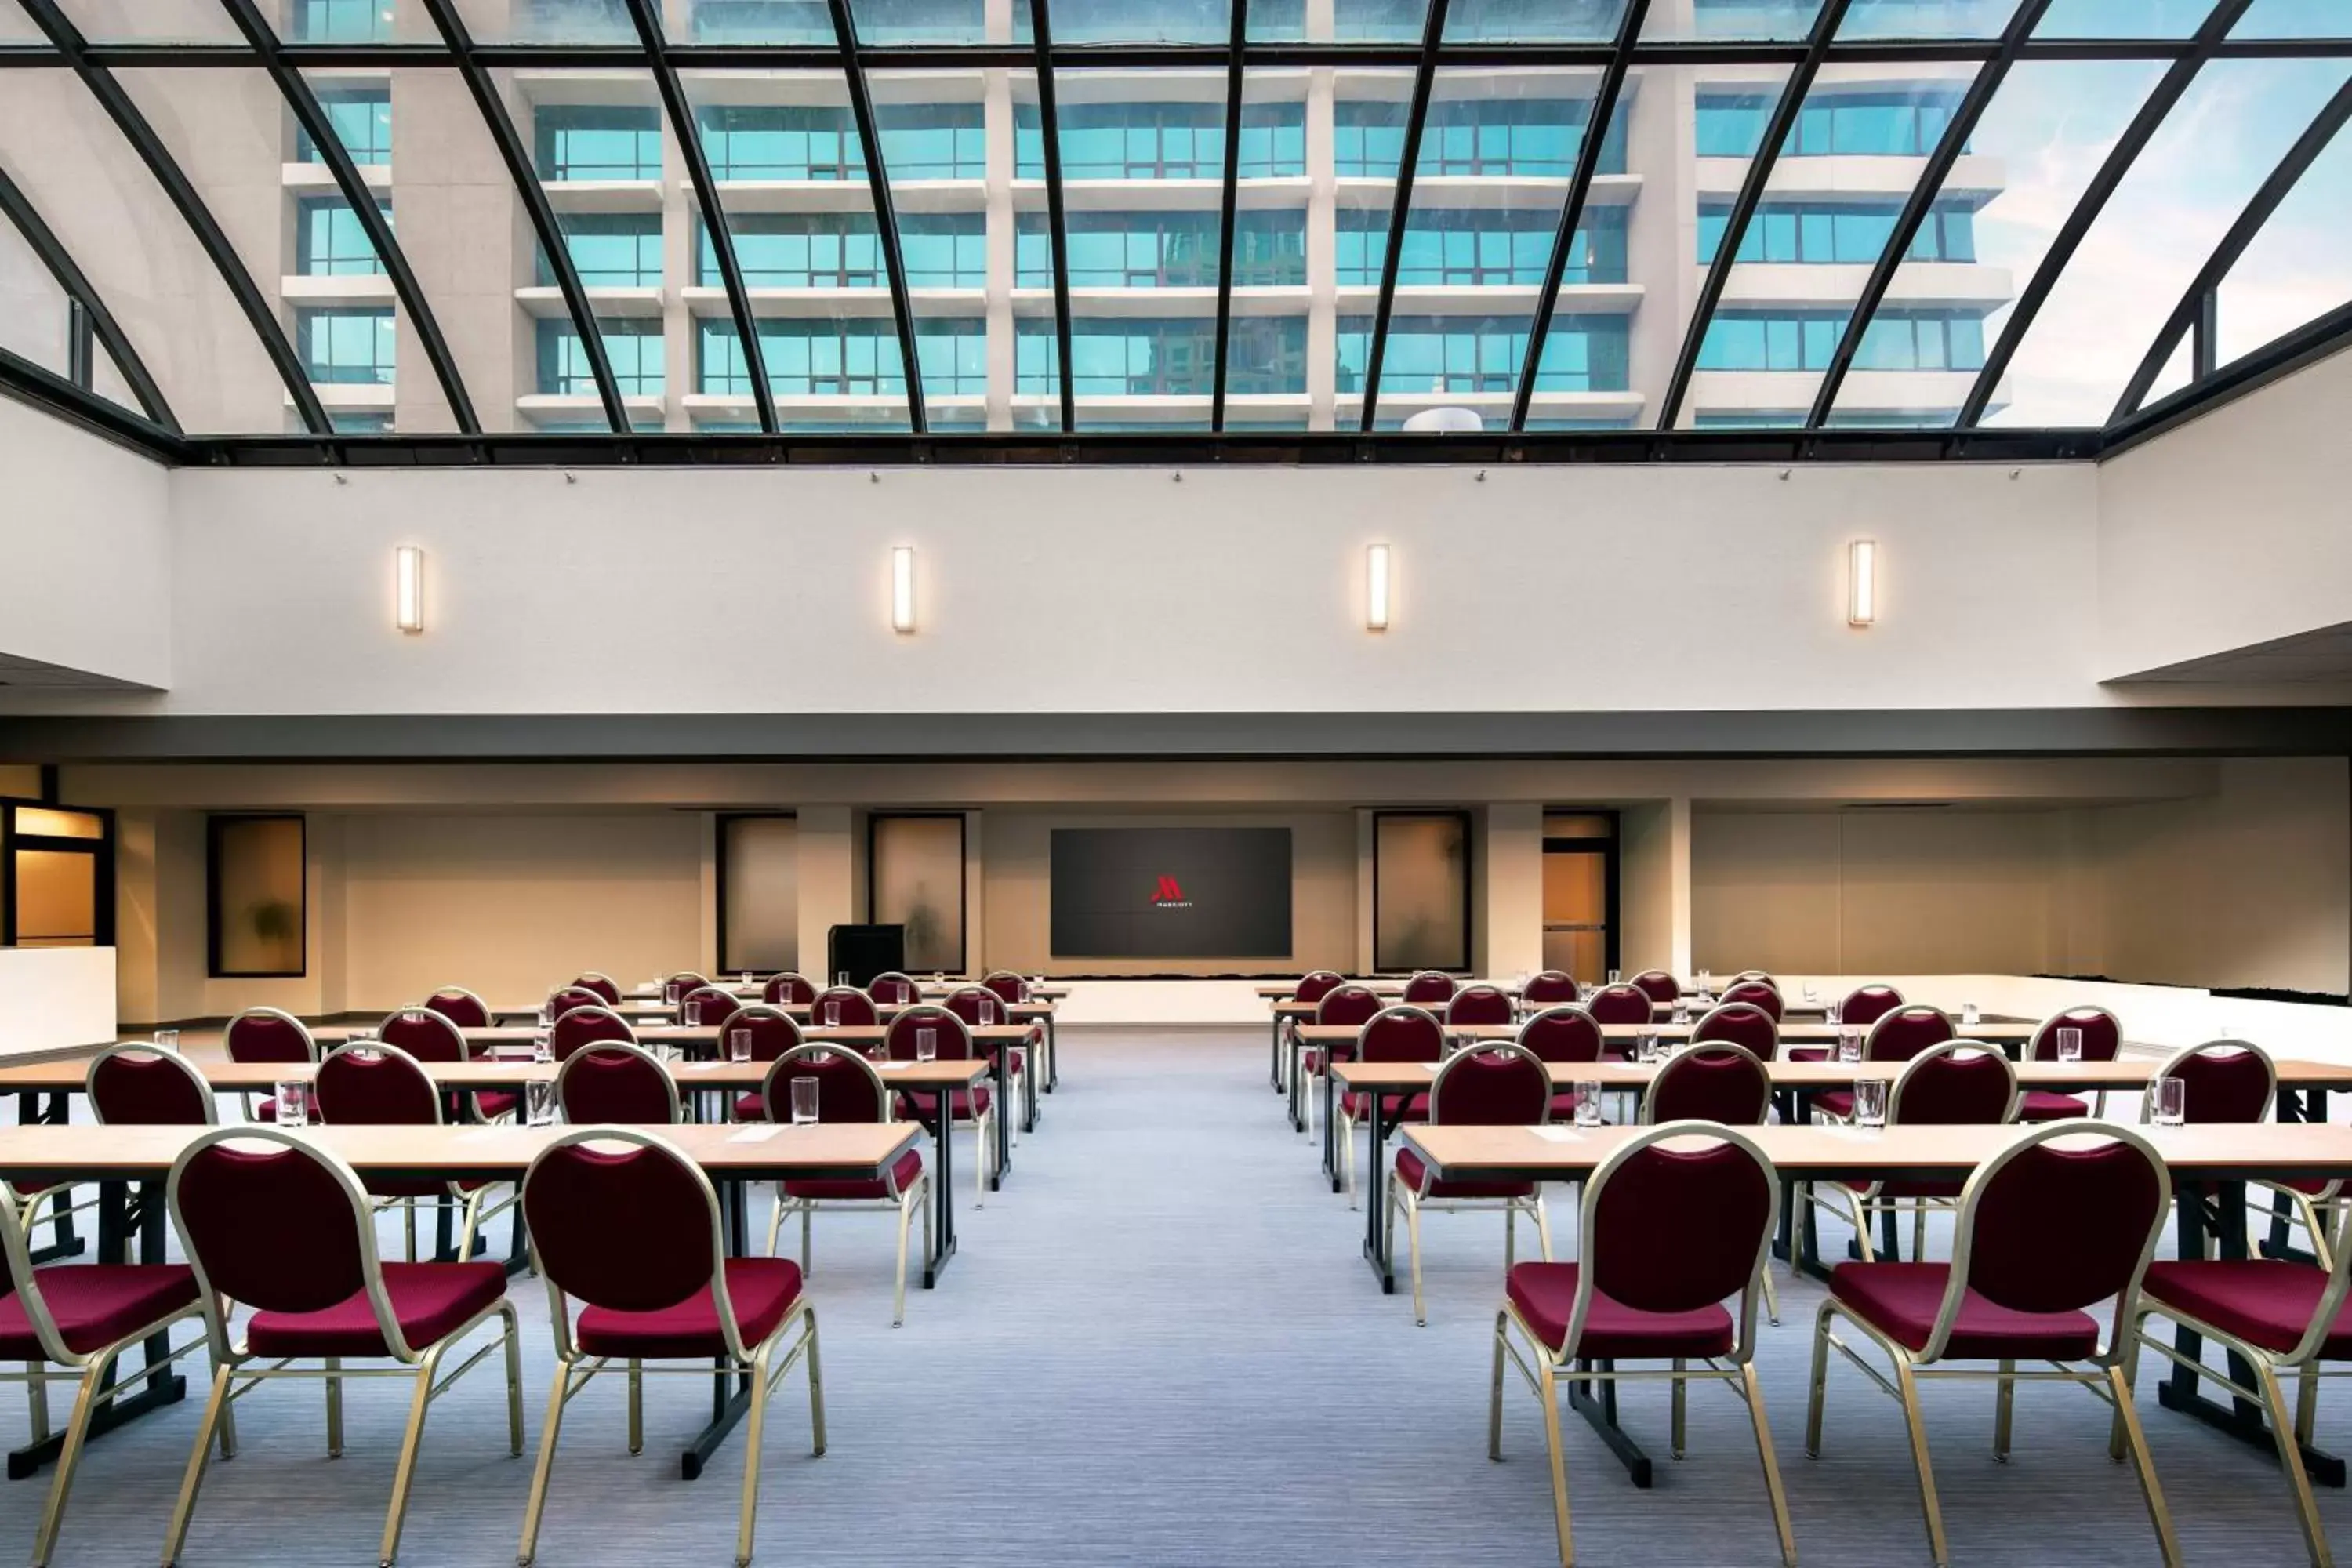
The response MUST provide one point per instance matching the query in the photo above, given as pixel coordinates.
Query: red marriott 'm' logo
(1170, 896)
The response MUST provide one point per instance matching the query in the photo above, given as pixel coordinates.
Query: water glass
(539, 1102)
(1812, 995)
(940, 978)
(842, 979)
(694, 1012)
(1588, 1102)
(804, 1101)
(832, 1012)
(878, 1054)
(1970, 1016)
(1616, 976)
(746, 981)
(2170, 1106)
(1682, 1011)
(1645, 1048)
(2070, 1044)
(927, 1045)
(988, 1010)
(669, 993)
(739, 1045)
(293, 1102)
(1849, 1044)
(546, 1016)
(1870, 1103)
(1831, 1013)
(167, 1040)
(1705, 983)
(542, 1045)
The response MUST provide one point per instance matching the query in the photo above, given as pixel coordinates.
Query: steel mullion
(259, 314)
(2308, 343)
(543, 215)
(43, 388)
(52, 251)
(1400, 208)
(2190, 311)
(706, 196)
(361, 201)
(1049, 133)
(1236, 71)
(886, 215)
(1971, 110)
(1572, 213)
(2142, 130)
(1776, 132)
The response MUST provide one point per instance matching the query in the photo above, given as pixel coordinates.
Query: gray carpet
(1159, 1346)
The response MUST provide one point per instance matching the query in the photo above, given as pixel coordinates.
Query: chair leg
(2291, 1461)
(983, 1153)
(776, 1220)
(1772, 1487)
(808, 1225)
(816, 1389)
(37, 1396)
(1771, 1296)
(1494, 1393)
(1548, 1390)
(175, 1535)
(906, 1201)
(1413, 1242)
(548, 1431)
(1919, 1234)
(514, 1380)
(53, 1510)
(2307, 1402)
(2129, 1367)
(636, 1406)
(1510, 1237)
(1681, 1387)
(754, 1425)
(2004, 1398)
(227, 1422)
(2127, 1415)
(1913, 1420)
(1819, 1384)
(1543, 1226)
(473, 1223)
(334, 1408)
(1348, 1151)
(404, 1476)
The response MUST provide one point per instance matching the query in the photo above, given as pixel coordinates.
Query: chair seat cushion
(761, 1289)
(429, 1301)
(1837, 1102)
(752, 1107)
(1901, 1300)
(2265, 1302)
(1359, 1108)
(493, 1104)
(1545, 1294)
(1414, 1171)
(905, 1172)
(96, 1304)
(963, 1104)
(2046, 1105)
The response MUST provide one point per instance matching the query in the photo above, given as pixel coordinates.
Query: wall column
(827, 883)
(1678, 886)
(1509, 902)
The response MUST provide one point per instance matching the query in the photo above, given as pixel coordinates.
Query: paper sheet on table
(753, 1135)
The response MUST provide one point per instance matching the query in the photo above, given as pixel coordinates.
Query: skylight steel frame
(153, 428)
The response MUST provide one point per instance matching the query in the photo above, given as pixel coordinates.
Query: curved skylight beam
(886, 217)
(19, 210)
(1049, 132)
(1401, 205)
(1230, 200)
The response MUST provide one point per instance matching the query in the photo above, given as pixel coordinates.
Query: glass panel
(2035, 148)
(935, 140)
(332, 21)
(1373, 22)
(2219, 143)
(760, 870)
(542, 21)
(1548, 21)
(1762, 19)
(1421, 892)
(258, 893)
(923, 21)
(1141, 21)
(917, 882)
(1927, 18)
(169, 21)
(56, 897)
(35, 316)
(2122, 18)
(2299, 266)
(2294, 19)
(1369, 110)
(41, 822)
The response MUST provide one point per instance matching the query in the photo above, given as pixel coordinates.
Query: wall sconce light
(409, 563)
(1862, 583)
(902, 588)
(1376, 588)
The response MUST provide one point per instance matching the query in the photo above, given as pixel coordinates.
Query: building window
(1162, 141)
(921, 21)
(772, 141)
(855, 357)
(361, 422)
(576, 21)
(932, 142)
(1121, 358)
(1471, 354)
(633, 346)
(844, 250)
(329, 241)
(1373, 21)
(611, 250)
(762, 22)
(1846, 124)
(361, 121)
(1486, 247)
(341, 21)
(1164, 250)
(1921, 340)
(944, 250)
(1808, 340)
(341, 347)
(1836, 232)
(256, 897)
(1530, 138)
(598, 141)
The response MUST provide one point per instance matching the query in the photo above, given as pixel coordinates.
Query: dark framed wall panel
(257, 896)
(908, 856)
(1421, 910)
(733, 835)
(38, 905)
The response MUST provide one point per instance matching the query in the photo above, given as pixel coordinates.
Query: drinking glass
(694, 1012)
(542, 1045)
(1616, 976)
(1849, 1044)
(546, 1015)
(1970, 1016)
(878, 1054)
(832, 1012)
(1645, 1048)
(1870, 1103)
(738, 1046)
(842, 979)
(2171, 1104)
(1812, 995)
(746, 980)
(1588, 1102)
(804, 1101)
(2070, 1044)
(669, 993)
(1831, 1013)
(1682, 1011)
(940, 978)
(927, 1045)
(539, 1102)
(1705, 983)
(167, 1040)
(293, 1102)
(988, 1010)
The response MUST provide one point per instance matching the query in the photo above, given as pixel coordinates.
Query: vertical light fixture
(902, 588)
(1862, 583)
(1376, 588)
(409, 563)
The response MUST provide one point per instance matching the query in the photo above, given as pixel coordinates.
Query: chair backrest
(1721, 1081)
(1658, 985)
(788, 990)
(675, 988)
(1741, 1022)
(132, 1083)
(893, 989)
(2049, 1229)
(1346, 1005)
(461, 1006)
(1865, 1005)
(1429, 987)
(2103, 1035)
(1402, 1034)
(614, 1081)
(586, 1027)
(620, 1218)
(706, 1007)
(848, 1087)
(1494, 1083)
(576, 995)
(1479, 1005)
(978, 1005)
(1008, 987)
(1620, 1004)
(2222, 1081)
(1319, 983)
(1764, 975)
(427, 1035)
(1551, 986)
(1675, 1229)
(858, 1008)
(269, 1035)
(368, 1083)
(1759, 993)
(1567, 1034)
(774, 1031)
(1956, 1083)
(953, 1040)
(1905, 1031)
(603, 987)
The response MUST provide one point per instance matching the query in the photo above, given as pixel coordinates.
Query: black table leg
(1053, 1055)
(1602, 1416)
(1332, 1119)
(940, 1125)
(2309, 1105)
(1376, 1240)
(727, 1405)
(1274, 1066)
(63, 1242)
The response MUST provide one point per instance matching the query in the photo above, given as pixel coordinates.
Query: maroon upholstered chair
(856, 1008)
(788, 990)
(974, 1107)
(1480, 1005)
(979, 1008)
(892, 989)
(1904, 1032)
(774, 1031)
(1962, 1083)
(849, 1089)
(423, 1033)
(2222, 1081)
(1565, 1034)
(372, 1084)
(1402, 1034)
(602, 986)
(677, 986)
(1760, 993)
(1721, 1081)
(131, 1084)
(1661, 988)
(1429, 988)
(1008, 987)
(2103, 1038)
(1550, 988)
(562, 1001)
(587, 1026)
(1621, 1005)
(267, 1035)
(329, 1300)
(2044, 1234)
(1865, 1005)
(1317, 984)
(1346, 1005)
(706, 1007)
(623, 1221)
(1675, 1223)
(461, 1006)
(1498, 1084)
(1743, 1023)
(614, 1081)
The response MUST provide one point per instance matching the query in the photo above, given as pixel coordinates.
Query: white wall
(88, 552)
(54, 998)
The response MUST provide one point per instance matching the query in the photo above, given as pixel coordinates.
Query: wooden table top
(2064, 1078)
(2212, 1151)
(1800, 1032)
(488, 1073)
(761, 1150)
(637, 1008)
(679, 1033)
(753, 993)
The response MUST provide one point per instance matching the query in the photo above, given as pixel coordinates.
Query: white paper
(753, 1135)
(1554, 1134)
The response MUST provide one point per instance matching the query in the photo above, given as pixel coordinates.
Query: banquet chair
(603, 984)
(847, 1089)
(1957, 1083)
(565, 998)
(1865, 1005)
(706, 1007)
(623, 1221)
(1634, 1296)
(979, 1008)
(1564, 1034)
(430, 1034)
(2102, 1038)
(1760, 993)
(137, 1085)
(1400, 1034)
(461, 1007)
(1744, 1024)
(1316, 984)
(1550, 988)
(1345, 1005)
(331, 1299)
(675, 988)
(975, 1108)
(1428, 988)
(1480, 1004)
(774, 1031)
(788, 990)
(1495, 1084)
(2235, 1081)
(582, 1026)
(1765, 975)
(893, 989)
(1715, 1081)
(267, 1035)
(614, 1081)
(1011, 988)
(1661, 988)
(2045, 1233)
(1622, 1003)
(1904, 1032)
(368, 1083)
(856, 1008)
(1008, 985)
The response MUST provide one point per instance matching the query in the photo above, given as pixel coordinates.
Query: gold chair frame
(904, 1206)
